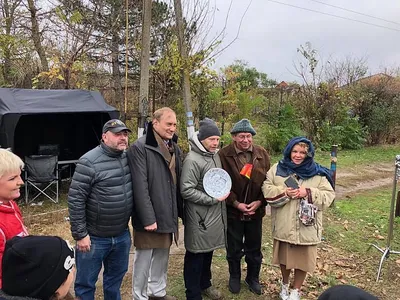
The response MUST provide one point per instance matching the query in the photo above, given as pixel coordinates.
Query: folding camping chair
(41, 175)
(49, 149)
(54, 149)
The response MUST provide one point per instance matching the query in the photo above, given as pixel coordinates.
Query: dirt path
(342, 192)
(355, 180)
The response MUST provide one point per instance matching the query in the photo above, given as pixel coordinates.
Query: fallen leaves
(323, 267)
(344, 264)
(346, 225)
(313, 295)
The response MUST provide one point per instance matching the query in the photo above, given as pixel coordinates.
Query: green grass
(359, 221)
(365, 156)
(351, 158)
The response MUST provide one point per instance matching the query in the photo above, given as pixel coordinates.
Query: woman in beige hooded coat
(296, 211)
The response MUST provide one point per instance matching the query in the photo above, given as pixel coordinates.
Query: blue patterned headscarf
(308, 168)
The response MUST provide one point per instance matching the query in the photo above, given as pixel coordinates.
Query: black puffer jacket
(100, 197)
(156, 198)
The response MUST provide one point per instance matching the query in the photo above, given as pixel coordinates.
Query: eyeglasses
(244, 136)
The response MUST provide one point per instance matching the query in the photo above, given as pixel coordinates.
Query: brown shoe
(166, 297)
(212, 293)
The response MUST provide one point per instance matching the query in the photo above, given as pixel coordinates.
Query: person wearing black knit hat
(38, 267)
(205, 216)
(207, 128)
(346, 292)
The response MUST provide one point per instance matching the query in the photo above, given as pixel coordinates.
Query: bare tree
(8, 9)
(347, 71)
(310, 67)
(36, 36)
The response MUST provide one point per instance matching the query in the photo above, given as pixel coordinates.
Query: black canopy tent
(71, 119)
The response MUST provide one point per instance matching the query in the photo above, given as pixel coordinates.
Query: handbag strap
(309, 196)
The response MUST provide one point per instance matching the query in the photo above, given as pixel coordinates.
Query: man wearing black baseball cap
(100, 205)
(115, 126)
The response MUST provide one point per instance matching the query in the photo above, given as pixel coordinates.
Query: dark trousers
(244, 239)
(197, 273)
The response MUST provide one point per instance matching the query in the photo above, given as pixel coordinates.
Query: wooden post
(144, 67)
(333, 163)
(223, 111)
(397, 212)
(187, 97)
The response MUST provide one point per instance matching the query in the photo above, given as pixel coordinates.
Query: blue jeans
(113, 252)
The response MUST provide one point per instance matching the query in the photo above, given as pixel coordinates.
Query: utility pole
(223, 110)
(187, 97)
(144, 67)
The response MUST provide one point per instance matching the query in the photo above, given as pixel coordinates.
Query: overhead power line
(332, 15)
(355, 12)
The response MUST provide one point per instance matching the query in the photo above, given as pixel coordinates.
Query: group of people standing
(149, 184)
(113, 184)
(234, 220)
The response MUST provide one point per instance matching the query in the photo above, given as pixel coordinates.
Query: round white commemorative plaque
(217, 182)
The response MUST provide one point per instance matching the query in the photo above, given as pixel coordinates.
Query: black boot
(252, 278)
(234, 276)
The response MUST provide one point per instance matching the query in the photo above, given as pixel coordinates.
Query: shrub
(274, 136)
(349, 135)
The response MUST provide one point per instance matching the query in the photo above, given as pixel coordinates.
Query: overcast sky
(271, 32)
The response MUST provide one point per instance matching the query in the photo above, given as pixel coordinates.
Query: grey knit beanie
(207, 128)
(243, 126)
